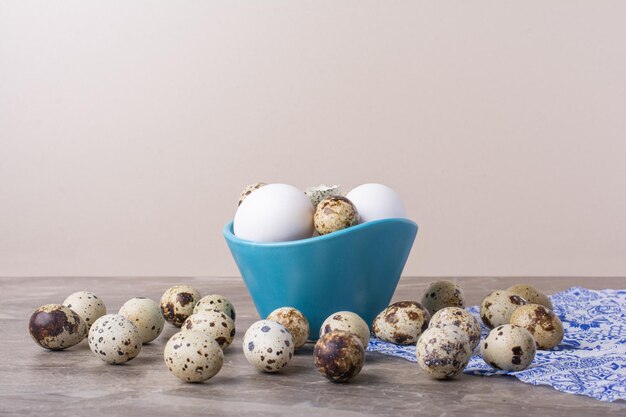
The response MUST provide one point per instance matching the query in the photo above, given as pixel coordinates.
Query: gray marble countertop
(37, 382)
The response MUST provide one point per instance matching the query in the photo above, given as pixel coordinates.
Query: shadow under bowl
(355, 269)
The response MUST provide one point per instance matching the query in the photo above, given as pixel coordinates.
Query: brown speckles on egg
(509, 347)
(443, 352)
(56, 327)
(145, 315)
(294, 321)
(112, 334)
(541, 322)
(461, 318)
(531, 294)
(214, 324)
(215, 302)
(87, 305)
(193, 356)
(178, 302)
(334, 213)
(259, 347)
(442, 294)
(401, 323)
(339, 356)
(496, 309)
(347, 321)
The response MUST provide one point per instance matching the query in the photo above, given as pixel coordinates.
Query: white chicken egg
(376, 201)
(274, 213)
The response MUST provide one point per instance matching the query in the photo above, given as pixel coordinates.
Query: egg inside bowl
(355, 269)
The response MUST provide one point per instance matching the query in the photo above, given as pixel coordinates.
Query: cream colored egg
(531, 294)
(443, 352)
(294, 321)
(87, 305)
(215, 324)
(442, 294)
(401, 323)
(146, 315)
(215, 302)
(178, 303)
(193, 356)
(509, 347)
(349, 322)
(545, 326)
(455, 316)
(497, 308)
(268, 346)
(114, 339)
(376, 201)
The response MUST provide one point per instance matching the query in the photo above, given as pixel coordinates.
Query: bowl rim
(230, 235)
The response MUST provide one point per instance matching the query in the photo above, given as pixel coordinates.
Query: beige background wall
(128, 128)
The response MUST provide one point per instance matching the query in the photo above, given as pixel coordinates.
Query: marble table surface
(37, 382)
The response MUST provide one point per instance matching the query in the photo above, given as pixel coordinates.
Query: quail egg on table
(56, 327)
(401, 323)
(294, 321)
(214, 324)
(146, 315)
(509, 347)
(442, 294)
(215, 302)
(348, 321)
(334, 213)
(114, 339)
(455, 316)
(545, 326)
(249, 190)
(497, 308)
(531, 294)
(178, 302)
(317, 194)
(193, 356)
(443, 352)
(87, 305)
(268, 346)
(339, 355)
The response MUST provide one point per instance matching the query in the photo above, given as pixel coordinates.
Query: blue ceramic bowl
(356, 269)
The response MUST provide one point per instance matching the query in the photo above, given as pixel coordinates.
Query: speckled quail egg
(294, 321)
(509, 347)
(442, 294)
(497, 307)
(401, 323)
(215, 302)
(214, 324)
(339, 355)
(56, 327)
(193, 356)
(348, 321)
(461, 318)
(178, 302)
(531, 294)
(146, 316)
(443, 352)
(114, 339)
(87, 305)
(268, 345)
(249, 190)
(541, 322)
(317, 194)
(334, 213)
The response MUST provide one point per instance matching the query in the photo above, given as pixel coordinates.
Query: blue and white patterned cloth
(591, 359)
